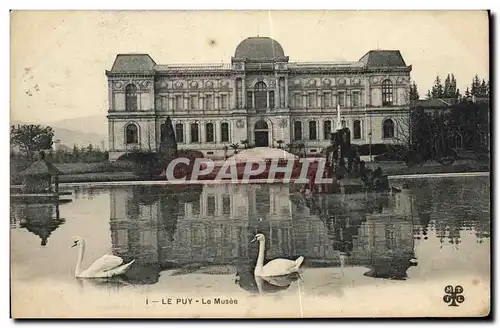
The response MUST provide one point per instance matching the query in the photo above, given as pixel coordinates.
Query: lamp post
(370, 143)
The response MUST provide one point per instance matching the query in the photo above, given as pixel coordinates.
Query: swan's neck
(262, 250)
(81, 249)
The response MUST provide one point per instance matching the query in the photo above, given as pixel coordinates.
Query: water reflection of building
(214, 225)
(40, 219)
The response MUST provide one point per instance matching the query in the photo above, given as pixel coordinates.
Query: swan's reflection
(247, 280)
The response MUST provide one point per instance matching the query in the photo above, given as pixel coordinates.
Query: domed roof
(259, 48)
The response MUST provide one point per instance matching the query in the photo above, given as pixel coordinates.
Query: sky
(59, 58)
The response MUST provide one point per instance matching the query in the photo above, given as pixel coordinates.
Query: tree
(450, 87)
(414, 92)
(475, 85)
(245, 143)
(437, 89)
(31, 138)
(428, 95)
(483, 89)
(467, 93)
(235, 147)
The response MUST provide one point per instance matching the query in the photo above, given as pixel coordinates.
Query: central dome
(259, 48)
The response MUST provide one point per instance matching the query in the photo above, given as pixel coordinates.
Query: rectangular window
(297, 130)
(271, 99)
(193, 102)
(356, 99)
(209, 102)
(341, 98)
(357, 129)
(313, 135)
(195, 136)
(211, 205)
(327, 129)
(226, 204)
(178, 102)
(209, 132)
(326, 100)
(163, 102)
(223, 101)
(312, 100)
(224, 132)
(298, 100)
(179, 132)
(249, 99)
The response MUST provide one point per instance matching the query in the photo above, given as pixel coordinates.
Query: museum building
(260, 96)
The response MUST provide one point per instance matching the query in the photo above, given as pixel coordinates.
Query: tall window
(387, 90)
(281, 85)
(209, 132)
(209, 101)
(131, 134)
(223, 101)
(356, 99)
(226, 204)
(341, 98)
(224, 132)
(163, 102)
(179, 132)
(298, 100)
(311, 100)
(313, 135)
(388, 129)
(195, 133)
(297, 130)
(271, 99)
(260, 95)
(326, 100)
(178, 102)
(357, 129)
(327, 129)
(210, 205)
(193, 102)
(239, 93)
(249, 99)
(131, 97)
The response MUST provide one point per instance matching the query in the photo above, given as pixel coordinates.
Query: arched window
(357, 129)
(131, 134)
(195, 134)
(224, 132)
(388, 129)
(209, 132)
(327, 129)
(179, 132)
(260, 95)
(313, 135)
(297, 130)
(131, 97)
(387, 91)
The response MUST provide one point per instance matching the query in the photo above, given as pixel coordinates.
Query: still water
(191, 246)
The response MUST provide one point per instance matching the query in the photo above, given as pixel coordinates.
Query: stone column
(267, 95)
(277, 95)
(286, 91)
(320, 130)
(202, 135)
(243, 93)
(253, 99)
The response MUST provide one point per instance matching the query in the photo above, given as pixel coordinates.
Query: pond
(367, 255)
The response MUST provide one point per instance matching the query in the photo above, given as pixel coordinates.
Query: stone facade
(260, 96)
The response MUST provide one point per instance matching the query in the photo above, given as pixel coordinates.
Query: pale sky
(59, 58)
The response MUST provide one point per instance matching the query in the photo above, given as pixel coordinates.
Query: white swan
(277, 267)
(105, 267)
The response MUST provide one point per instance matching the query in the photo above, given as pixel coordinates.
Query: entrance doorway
(261, 134)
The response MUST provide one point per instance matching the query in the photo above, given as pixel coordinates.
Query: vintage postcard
(250, 164)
